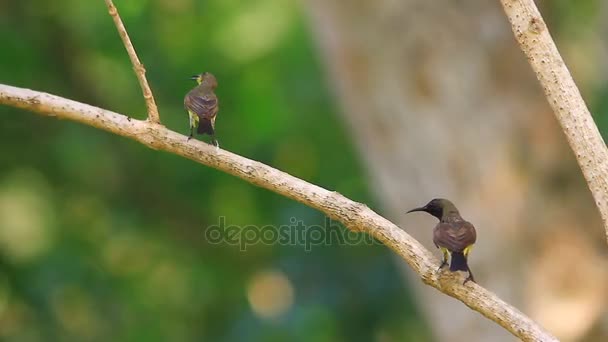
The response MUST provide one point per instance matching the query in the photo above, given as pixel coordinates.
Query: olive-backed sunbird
(202, 106)
(453, 235)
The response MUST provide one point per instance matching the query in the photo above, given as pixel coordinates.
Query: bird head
(437, 207)
(205, 79)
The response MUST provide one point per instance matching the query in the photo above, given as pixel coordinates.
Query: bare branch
(139, 69)
(356, 216)
(563, 96)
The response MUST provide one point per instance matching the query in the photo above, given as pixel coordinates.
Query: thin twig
(139, 69)
(563, 96)
(355, 216)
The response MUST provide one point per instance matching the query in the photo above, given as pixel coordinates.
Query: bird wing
(455, 236)
(203, 105)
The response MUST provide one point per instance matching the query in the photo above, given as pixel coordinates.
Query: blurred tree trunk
(441, 103)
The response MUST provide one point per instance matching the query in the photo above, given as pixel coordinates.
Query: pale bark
(564, 97)
(138, 67)
(355, 216)
(442, 104)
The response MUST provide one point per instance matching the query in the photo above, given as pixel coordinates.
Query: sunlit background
(103, 239)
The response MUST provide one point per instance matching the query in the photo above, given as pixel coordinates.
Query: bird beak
(417, 209)
(194, 77)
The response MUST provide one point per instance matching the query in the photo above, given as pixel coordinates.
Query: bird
(452, 235)
(202, 106)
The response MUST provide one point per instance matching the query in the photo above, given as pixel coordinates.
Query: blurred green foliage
(580, 30)
(103, 239)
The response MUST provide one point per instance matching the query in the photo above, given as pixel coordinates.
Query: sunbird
(452, 235)
(202, 106)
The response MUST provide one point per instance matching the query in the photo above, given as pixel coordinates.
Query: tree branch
(356, 216)
(563, 96)
(139, 69)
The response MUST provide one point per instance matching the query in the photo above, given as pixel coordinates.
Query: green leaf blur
(103, 239)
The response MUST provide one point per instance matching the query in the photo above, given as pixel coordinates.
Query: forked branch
(355, 216)
(139, 69)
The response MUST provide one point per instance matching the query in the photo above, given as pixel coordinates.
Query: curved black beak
(417, 209)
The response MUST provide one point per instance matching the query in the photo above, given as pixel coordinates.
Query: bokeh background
(389, 103)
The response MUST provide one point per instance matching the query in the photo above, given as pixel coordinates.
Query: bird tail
(458, 262)
(205, 126)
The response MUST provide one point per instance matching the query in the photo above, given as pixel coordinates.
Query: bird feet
(443, 264)
(469, 278)
(215, 143)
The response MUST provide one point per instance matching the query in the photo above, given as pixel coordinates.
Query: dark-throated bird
(453, 235)
(202, 106)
